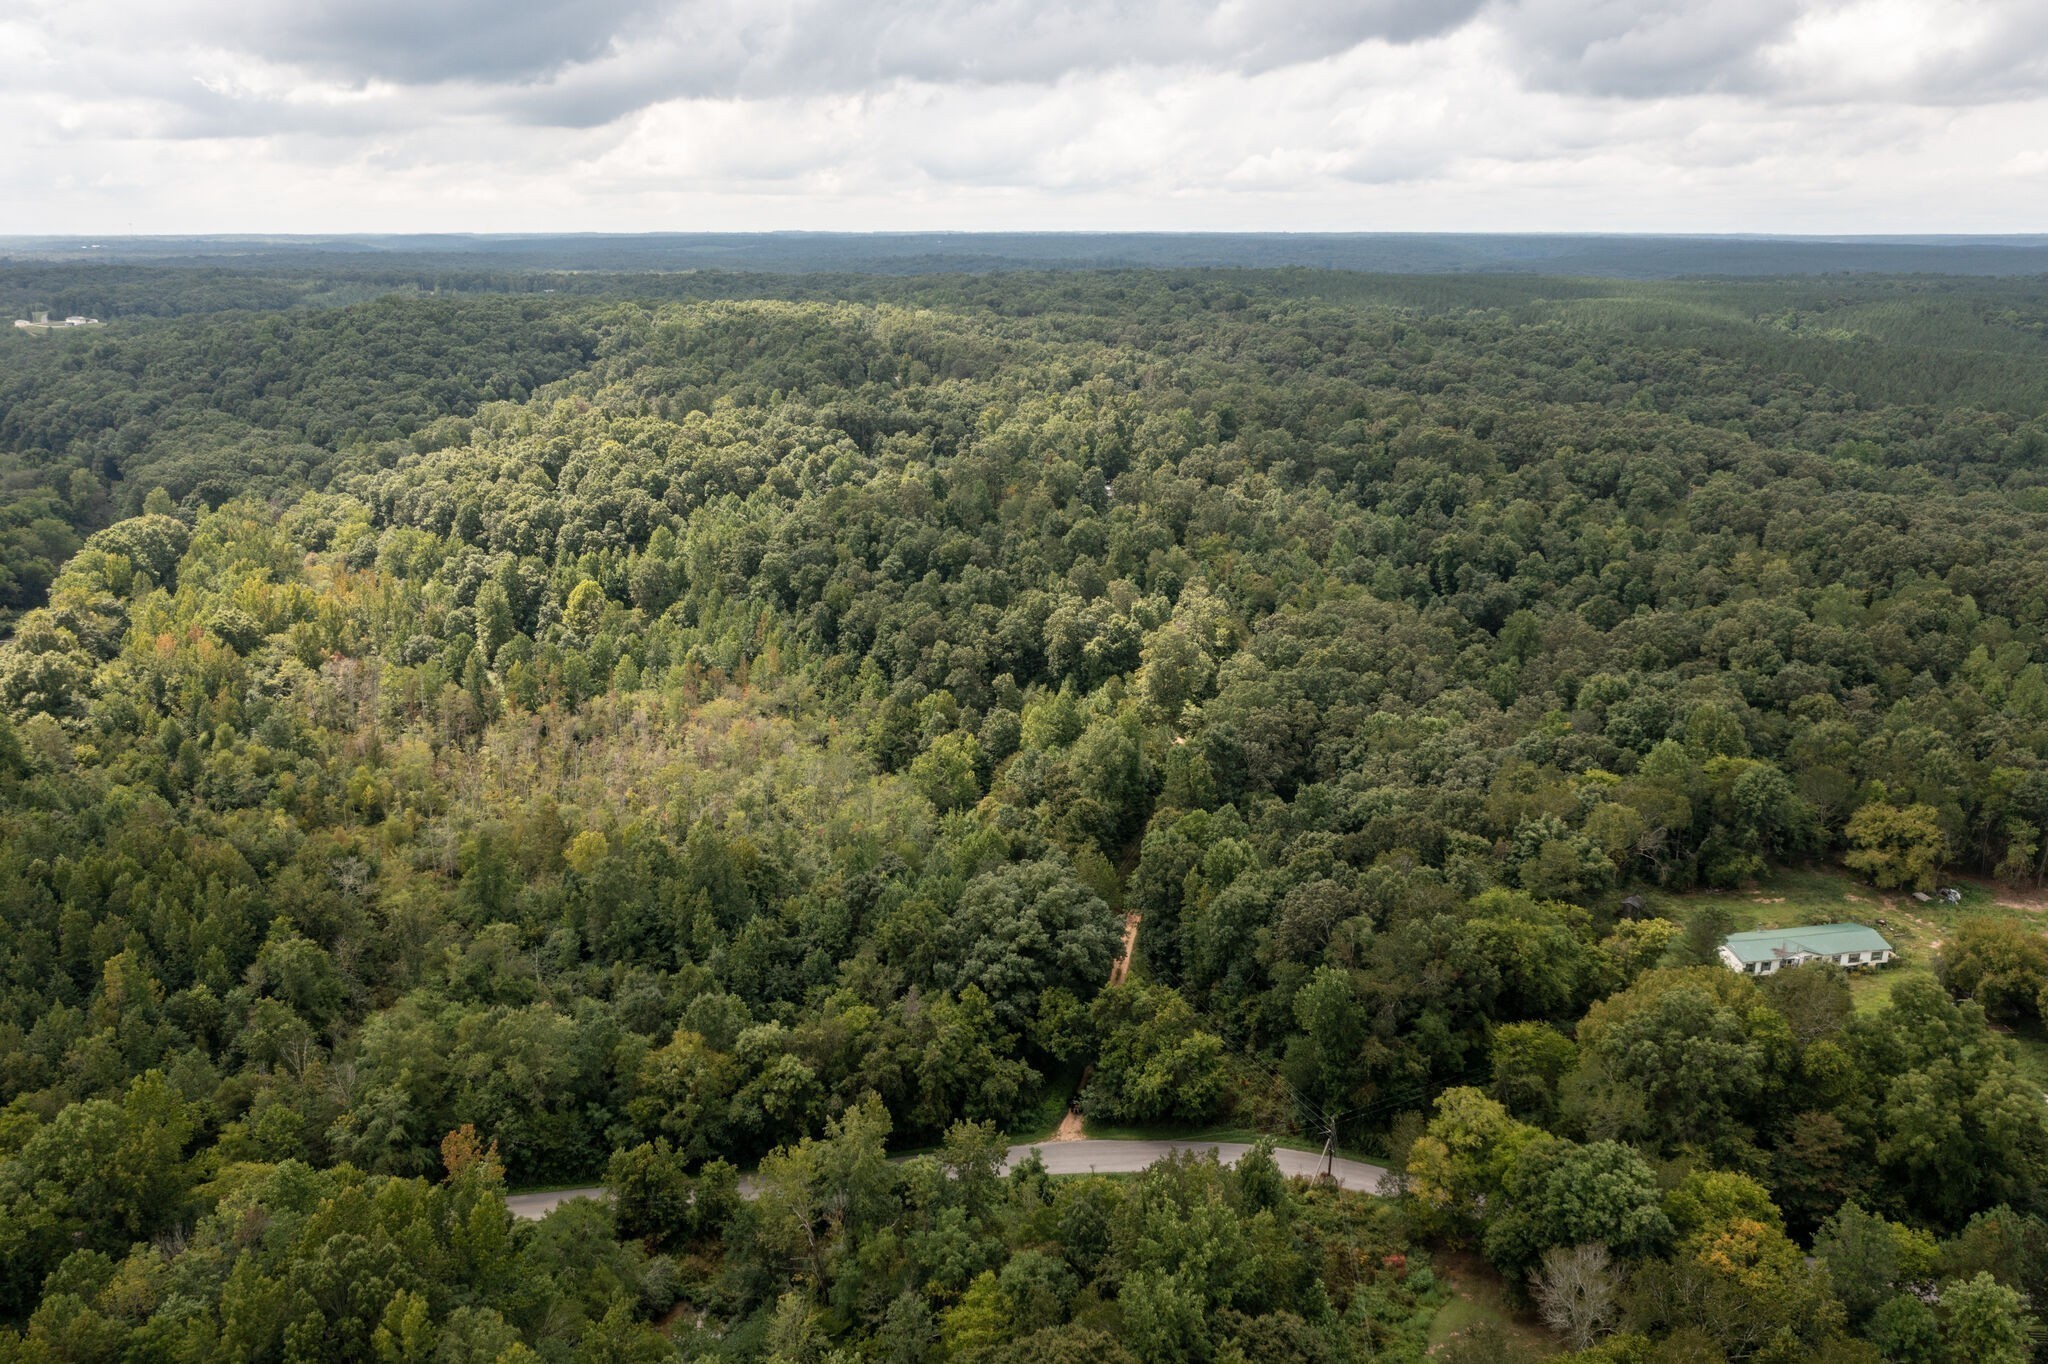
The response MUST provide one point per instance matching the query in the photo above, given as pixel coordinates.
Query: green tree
(2001, 964)
(1558, 1193)
(1894, 845)
(583, 612)
(1155, 1060)
(947, 772)
(1026, 928)
(979, 1323)
(1530, 1060)
(651, 1193)
(1983, 1320)
(494, 621)
(1706, 928)
(1871, 1260)
(1459, 1167)
(1953, 1126)
(101, 1174)
(1814, 999)
(1906, 1331)
(1687, 1056)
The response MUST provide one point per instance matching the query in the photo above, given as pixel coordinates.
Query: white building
(1768, 950)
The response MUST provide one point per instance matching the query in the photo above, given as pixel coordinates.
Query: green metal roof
(1819, 940)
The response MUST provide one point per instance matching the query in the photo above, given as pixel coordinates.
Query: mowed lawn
(1916, 930)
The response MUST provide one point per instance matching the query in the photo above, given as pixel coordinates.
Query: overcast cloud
(611, 115)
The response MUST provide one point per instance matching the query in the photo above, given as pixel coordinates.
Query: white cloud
(1964, 52)
(1686, 115)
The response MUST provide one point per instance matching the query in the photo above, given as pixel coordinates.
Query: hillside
(686, 724)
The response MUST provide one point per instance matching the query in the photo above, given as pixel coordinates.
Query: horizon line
(1361, 233)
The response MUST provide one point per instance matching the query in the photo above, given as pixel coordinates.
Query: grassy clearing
(1810, 895)
(1458, 1315)
(1478, 1296)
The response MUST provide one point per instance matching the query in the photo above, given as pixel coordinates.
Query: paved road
(534, 1206)
(1128, 1157)
(1068, 1158)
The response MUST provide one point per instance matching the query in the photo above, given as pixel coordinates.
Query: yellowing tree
(1462, 1159)
(1896, 846)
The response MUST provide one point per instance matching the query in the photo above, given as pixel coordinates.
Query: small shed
(1769, 950)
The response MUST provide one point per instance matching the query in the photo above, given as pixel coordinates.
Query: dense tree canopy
(677, 727)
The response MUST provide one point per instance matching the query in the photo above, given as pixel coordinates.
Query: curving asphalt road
(534, 1206)
(1128, 1157)
(1069, 1158)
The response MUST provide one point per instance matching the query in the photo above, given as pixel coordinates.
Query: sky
(1797, 116)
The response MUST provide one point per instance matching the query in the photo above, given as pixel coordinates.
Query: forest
(706, 734)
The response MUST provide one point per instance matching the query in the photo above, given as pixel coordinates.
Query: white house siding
(1770, 968)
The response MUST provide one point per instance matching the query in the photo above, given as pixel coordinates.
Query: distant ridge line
(1614, 255)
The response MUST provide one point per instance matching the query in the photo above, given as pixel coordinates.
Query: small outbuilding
(1768, 950)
